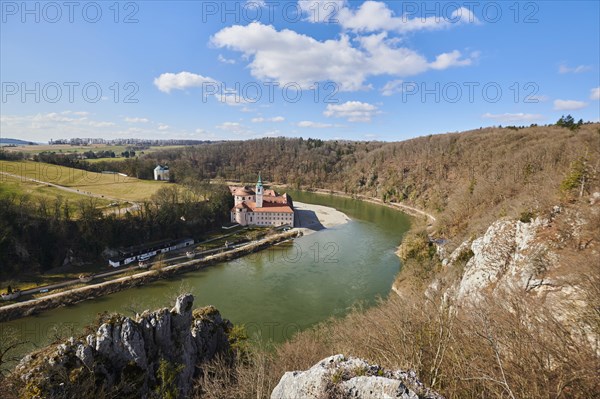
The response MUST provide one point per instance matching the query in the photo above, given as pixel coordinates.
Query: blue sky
(332, 69)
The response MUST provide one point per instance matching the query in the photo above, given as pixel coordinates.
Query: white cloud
(229, 125)
(136, 120)
(42, 126)
(316, 125)
(163, 127)
(595, 93)
(568, 105)
(536, 98)
(232, 97)
(289, 57)
(180, 81)
(578, 69)
(353, 111)
(225, 60)
(235, 128)
(274, 119)
(517, 117)
(375, 16)
(100, 124)
(392, 87)
(447, 60)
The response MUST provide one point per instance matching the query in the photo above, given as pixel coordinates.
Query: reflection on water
(275, 292)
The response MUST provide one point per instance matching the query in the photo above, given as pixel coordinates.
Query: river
(275, 292)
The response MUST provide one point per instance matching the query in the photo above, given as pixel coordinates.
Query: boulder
(341, 377)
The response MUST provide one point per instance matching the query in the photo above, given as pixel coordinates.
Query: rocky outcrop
(154, 352)
(541, 259)
(505, 258)
(341, 377)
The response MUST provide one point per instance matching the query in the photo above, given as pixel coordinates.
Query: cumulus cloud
(578, 69)
(43, 126)
(595, 93)
(353, 111)
(225, 60)
(447, 60)
(136, 120)
(537, 99)
(235, 128)
(289, 57)
(163, 127)
(232, 98)
(392, 87)
(374, 16)
(517, 117)
(316, 125)
(568, 105)
(180, 81)
(274, 119)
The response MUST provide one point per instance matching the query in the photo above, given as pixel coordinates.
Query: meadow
(111, 186)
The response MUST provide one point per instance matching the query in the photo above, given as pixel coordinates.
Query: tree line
(36, 236)
(472, 178)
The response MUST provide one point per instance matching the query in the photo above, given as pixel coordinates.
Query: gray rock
(341, 377)
(85, 353)
(377, 388)
(176, 336)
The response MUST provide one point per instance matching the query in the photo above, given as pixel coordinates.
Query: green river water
(275, 292)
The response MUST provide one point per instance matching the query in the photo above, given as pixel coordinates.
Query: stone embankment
(27, 308)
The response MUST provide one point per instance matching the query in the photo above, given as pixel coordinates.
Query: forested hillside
(469, 179)
(507, 308)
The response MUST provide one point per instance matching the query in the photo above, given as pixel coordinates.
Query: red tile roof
(268, 207)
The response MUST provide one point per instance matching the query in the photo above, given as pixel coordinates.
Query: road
(52, 287)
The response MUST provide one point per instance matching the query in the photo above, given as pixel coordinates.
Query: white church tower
(259, 192)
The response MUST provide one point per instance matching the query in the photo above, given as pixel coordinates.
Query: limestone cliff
(156, 353)
(546, 258)
(341, 377)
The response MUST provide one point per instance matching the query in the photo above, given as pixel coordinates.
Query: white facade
(161, 173)
(259, 208)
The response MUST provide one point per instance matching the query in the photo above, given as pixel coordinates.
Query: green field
(112, 186)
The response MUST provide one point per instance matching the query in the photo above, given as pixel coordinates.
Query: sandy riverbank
(311, 218)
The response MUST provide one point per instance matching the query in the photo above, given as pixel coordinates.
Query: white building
(260, 207)
(161, 173)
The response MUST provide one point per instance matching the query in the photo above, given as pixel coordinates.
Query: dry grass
(511, 349)
(41, 192)
(114, 186)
